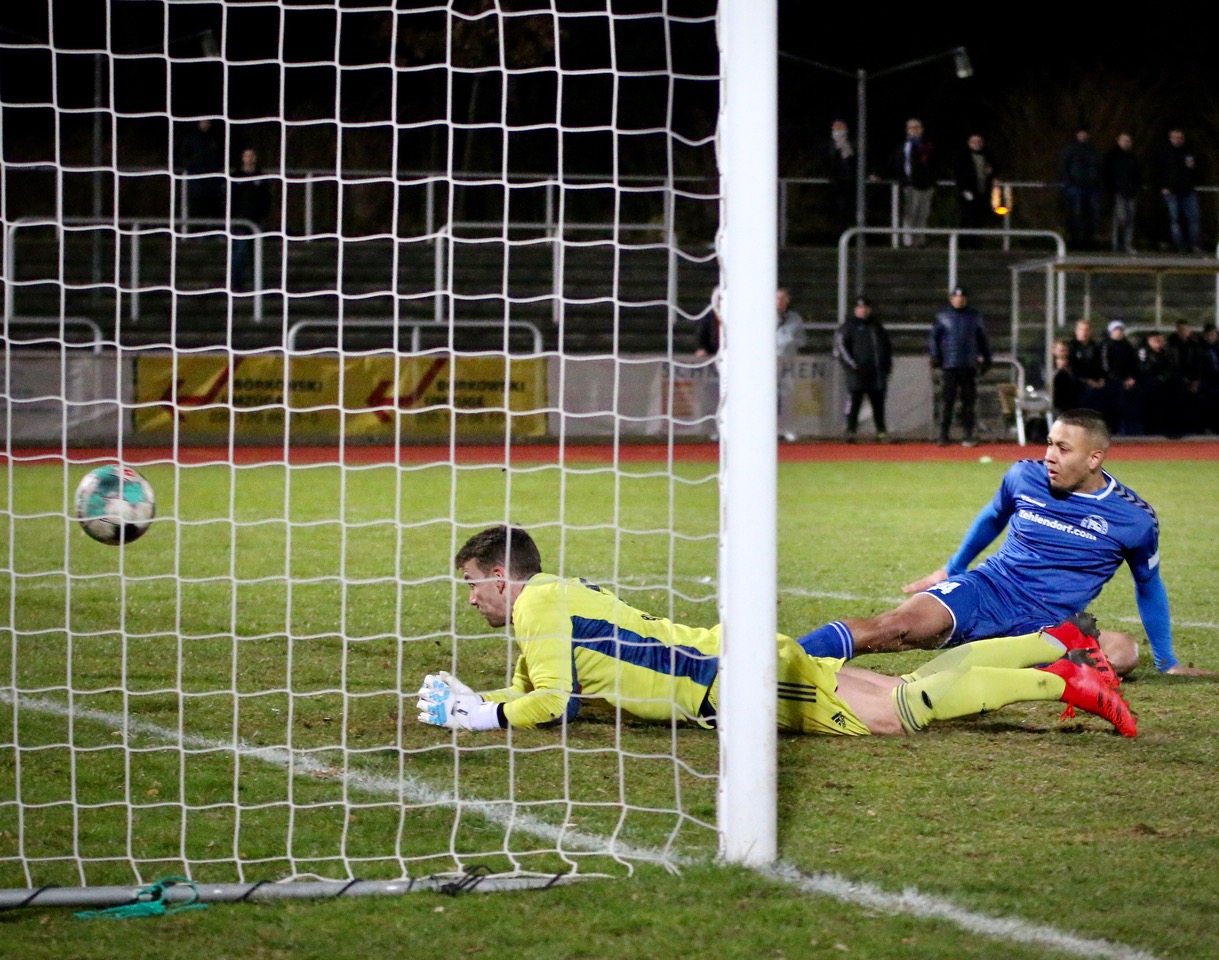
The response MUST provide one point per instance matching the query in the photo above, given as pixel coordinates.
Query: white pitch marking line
(840, 888)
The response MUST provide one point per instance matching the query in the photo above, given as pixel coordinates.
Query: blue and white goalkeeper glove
(444, 701)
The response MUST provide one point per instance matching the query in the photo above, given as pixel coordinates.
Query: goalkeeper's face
(488, 592)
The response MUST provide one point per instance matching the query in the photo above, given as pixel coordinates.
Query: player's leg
(870, 701)
(920, 623)
(1026, 650)
(967, 691)
(1078, 634)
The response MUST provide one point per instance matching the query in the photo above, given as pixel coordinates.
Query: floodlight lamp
(960, 59)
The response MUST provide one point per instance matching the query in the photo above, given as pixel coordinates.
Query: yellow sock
(1027, 650)
(964, 691)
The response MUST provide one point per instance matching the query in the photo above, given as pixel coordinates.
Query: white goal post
(347, 285)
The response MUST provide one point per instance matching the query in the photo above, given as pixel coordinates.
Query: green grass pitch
(300, 608)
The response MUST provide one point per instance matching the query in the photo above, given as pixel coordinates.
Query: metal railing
(94, 341)
(416, 328)
(134, 228)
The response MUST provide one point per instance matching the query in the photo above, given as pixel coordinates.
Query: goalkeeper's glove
(444, 701)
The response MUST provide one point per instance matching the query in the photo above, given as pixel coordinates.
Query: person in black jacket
(975, 176)
(842, 167)
(1120, 361)
(862, 346)
(250, 204)
(1209, 393)
(960, 350)
(1158, 385)
(1123, 179)
(1177, 177)
(1086, 367)
(1081, 183)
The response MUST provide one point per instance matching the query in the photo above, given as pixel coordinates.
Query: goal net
(346, 284)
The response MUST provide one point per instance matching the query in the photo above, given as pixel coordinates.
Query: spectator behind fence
(1158, 384)
(250, 204)
(1123, 407)
(842, 170)
(862, 346)
(1081, 183)
(1064, 391)
(1123, 180)
(1177, 178)
(1210, 378)
(201, 158)
(789, 338)
(1086, 366)
(1188, 352)
(915, 168)
(975, 178)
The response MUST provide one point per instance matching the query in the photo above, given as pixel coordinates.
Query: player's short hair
(503, 546)
(1091, 421)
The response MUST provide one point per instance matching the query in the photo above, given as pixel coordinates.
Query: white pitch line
(298, 761)
(909, 901)
(920, 905)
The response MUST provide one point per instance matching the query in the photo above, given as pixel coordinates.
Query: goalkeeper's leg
(1027, 650)
(966, 691)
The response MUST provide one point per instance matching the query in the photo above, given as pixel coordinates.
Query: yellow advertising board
(319, 398)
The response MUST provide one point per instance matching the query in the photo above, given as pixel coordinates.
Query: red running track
(1205, 448)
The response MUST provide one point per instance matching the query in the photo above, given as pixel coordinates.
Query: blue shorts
(983, 606)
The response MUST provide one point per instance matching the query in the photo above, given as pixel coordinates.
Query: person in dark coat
(862, 346)
(842, 168)
(960, 350)
(250, 204)
(1158, 385)
(1177, 175)
(201, 158)
(1123, 179)
(975, 176)
(1120, 361)
(1081, 184)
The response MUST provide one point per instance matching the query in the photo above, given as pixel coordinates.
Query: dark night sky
(1032, 51)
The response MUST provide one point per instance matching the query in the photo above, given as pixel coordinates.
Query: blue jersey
(1064, 549)
(1059, 552)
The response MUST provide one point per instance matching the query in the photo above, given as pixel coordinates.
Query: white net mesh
(346, 283)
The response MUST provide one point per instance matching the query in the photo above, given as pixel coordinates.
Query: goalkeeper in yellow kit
(579, 642)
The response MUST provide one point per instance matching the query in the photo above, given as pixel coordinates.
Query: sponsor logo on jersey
(1027, 499)
(1097, 524)
(1053, 524)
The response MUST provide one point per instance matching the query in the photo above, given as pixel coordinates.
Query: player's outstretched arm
(925, 583)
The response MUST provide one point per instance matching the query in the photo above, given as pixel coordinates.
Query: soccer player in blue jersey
(1070, 526)
(577, 643)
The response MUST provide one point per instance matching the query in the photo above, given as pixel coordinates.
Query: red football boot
(1087, 689)
(1079, 635)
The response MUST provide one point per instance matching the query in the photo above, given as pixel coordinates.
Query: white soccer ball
(114, 504)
